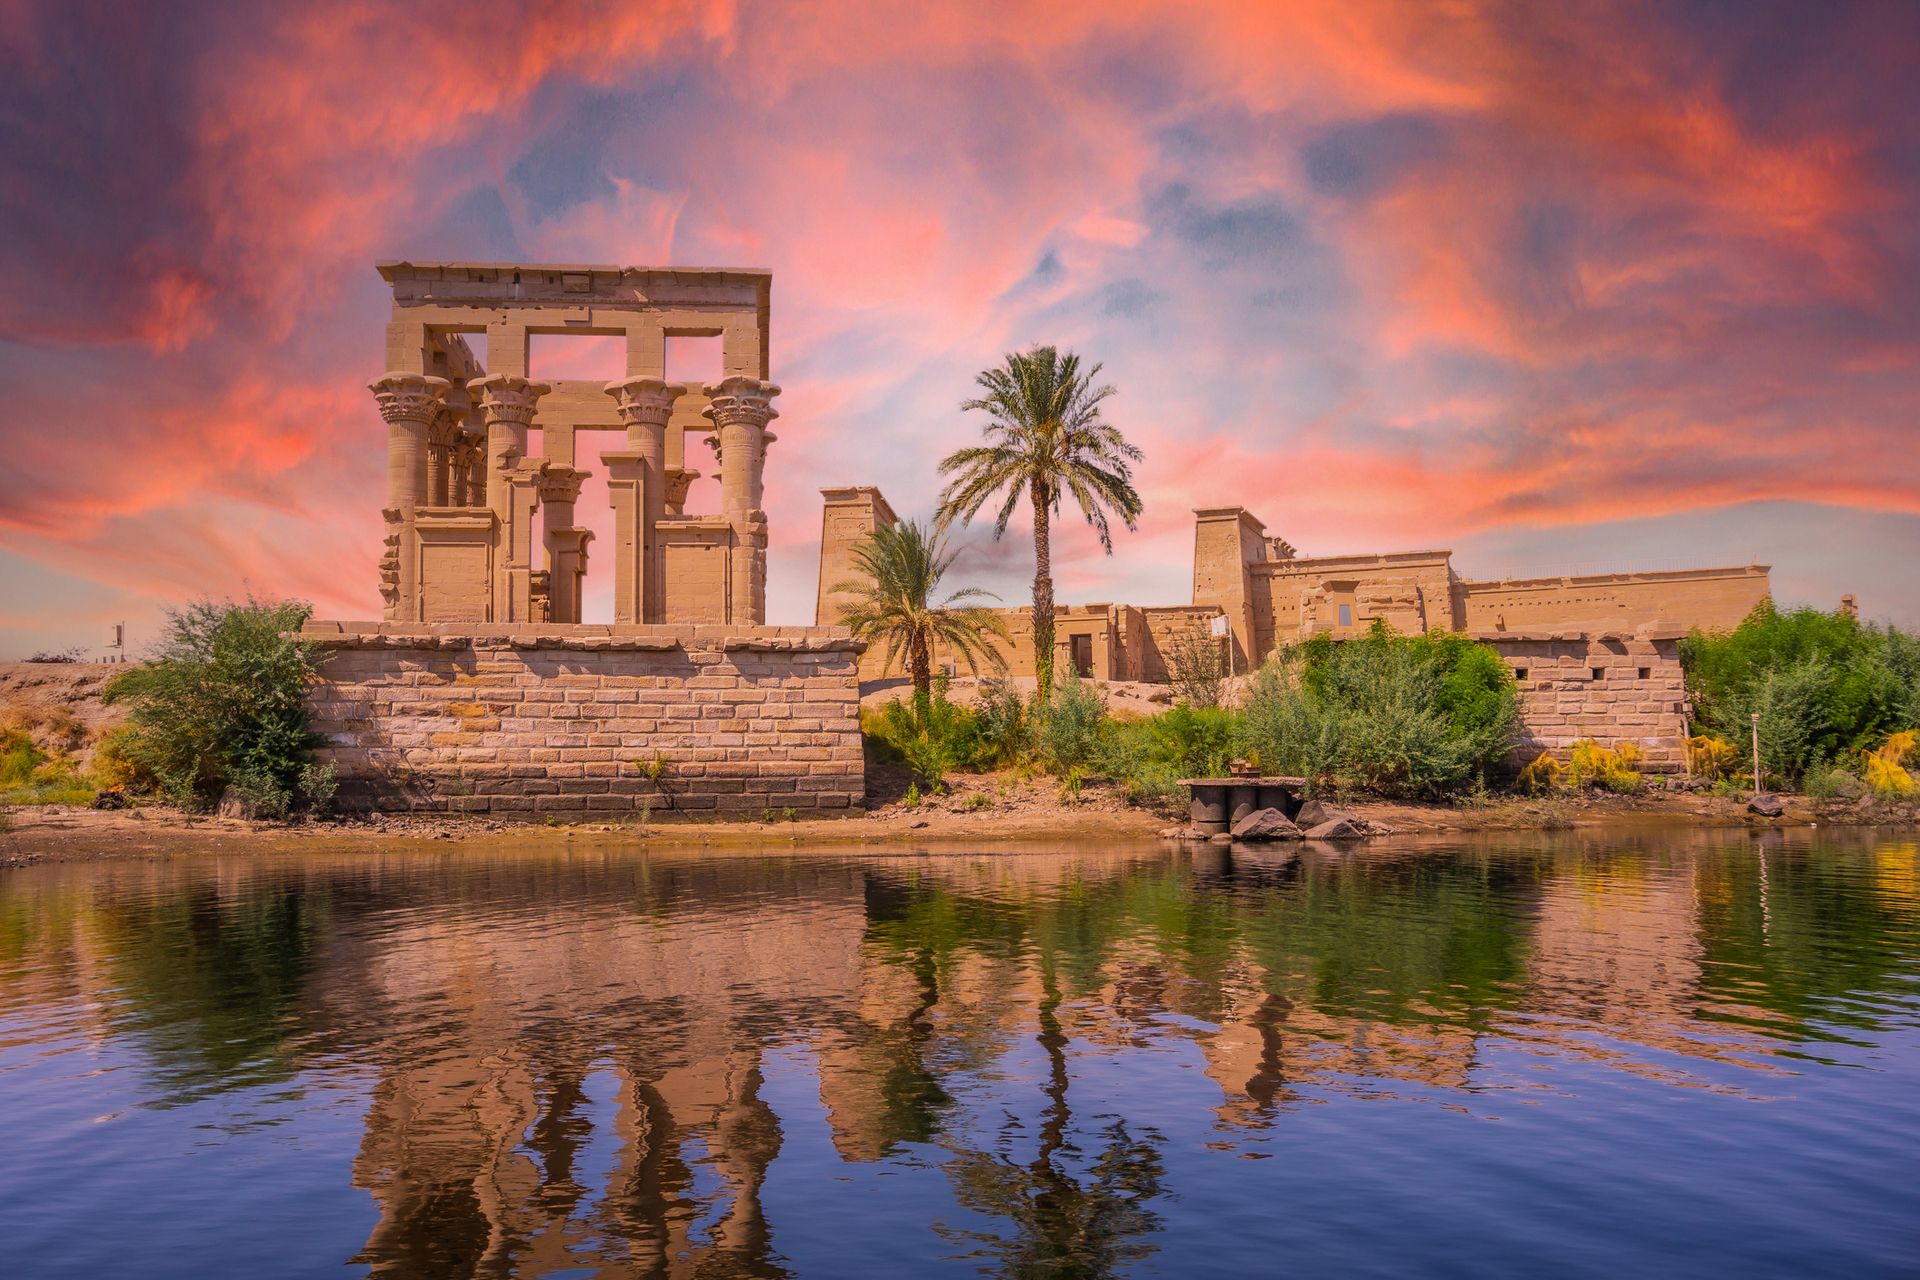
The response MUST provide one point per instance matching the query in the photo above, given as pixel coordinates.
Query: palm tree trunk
(1042, 592)
(920, 667)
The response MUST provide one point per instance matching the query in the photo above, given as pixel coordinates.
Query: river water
(1675, 1054)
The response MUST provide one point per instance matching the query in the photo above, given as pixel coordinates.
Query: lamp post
(1756, 753)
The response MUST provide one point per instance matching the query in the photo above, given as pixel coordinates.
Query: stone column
(473, 448)
(443, 438)
(409, 402)
(507, 404)
(637, 482)
(741, 408)
(559, 490)
(566, 570)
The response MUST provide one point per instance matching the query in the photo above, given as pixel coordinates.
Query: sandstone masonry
(590, 720)
(1594, 656)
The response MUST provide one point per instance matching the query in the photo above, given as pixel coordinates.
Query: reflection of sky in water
(1693, 1053)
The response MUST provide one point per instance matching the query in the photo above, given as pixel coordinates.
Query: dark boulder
(1315, 812)
(1766, 806)
(1338, 829)
(1266, 824)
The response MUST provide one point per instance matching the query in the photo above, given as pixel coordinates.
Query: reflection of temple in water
(472, 1150)
(572, 1056)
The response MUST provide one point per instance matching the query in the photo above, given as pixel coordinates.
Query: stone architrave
(637, 485)
(507, 403)
(740, 408)
(409, 402)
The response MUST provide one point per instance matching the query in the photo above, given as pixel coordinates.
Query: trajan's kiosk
(481, 690)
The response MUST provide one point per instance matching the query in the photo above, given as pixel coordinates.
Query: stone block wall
(1711, 599)
(565, 720)
(1613, 687)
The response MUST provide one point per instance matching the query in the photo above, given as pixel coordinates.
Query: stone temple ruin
(481, 689)
(464, 494)
(1593, 656)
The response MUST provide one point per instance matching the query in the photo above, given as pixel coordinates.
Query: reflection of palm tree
(1062, 1227)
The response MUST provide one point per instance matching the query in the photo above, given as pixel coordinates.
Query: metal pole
(1756, 753)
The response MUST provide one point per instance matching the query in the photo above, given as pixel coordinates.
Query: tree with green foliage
(222, 704)
(1401, 716)
(893, 603)
(1044, 438)
(1825, 686)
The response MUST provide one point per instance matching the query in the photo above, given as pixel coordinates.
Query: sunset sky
(1564, 287)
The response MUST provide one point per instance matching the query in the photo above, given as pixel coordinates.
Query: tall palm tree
(893, 602)
(1045, 438)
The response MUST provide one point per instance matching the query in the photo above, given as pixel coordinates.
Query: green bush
(221, 703)
(1825, 686)
(1399, 716)
(1005, 724)
(31, 776)
(1149, 757)
(1833, 782)
(1071, 726)
(948, 739)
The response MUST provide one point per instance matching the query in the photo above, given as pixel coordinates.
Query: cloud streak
(1387, 273)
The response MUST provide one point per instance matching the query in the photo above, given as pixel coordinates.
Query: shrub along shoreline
(216, 714)
(1424, 717)
(1435, 717)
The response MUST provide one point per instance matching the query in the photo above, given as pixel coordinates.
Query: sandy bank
(1010, 817)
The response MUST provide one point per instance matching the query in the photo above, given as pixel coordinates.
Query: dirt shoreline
(53, 834)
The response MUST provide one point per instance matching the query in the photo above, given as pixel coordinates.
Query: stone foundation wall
(567, 720)
(1613, 687)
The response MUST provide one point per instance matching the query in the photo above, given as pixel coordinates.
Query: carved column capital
(408, 397)
(678, 482)
(561, 485)
(447, 424)
(645, 401)
(741, 401)
(507, 399)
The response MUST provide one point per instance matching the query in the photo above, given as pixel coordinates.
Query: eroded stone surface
(1265, 825)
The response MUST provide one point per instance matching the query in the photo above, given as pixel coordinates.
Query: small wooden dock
(1215, 804)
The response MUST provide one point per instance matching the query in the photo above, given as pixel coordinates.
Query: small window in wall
(1519, 673)
(1599, 673)
(1346, 615)
(1646, 673)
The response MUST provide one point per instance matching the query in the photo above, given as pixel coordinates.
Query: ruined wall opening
(576, 357)
(595, 512)
(697, 359)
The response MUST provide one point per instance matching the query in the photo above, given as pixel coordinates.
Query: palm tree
(1045, 438)
(902, 566)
